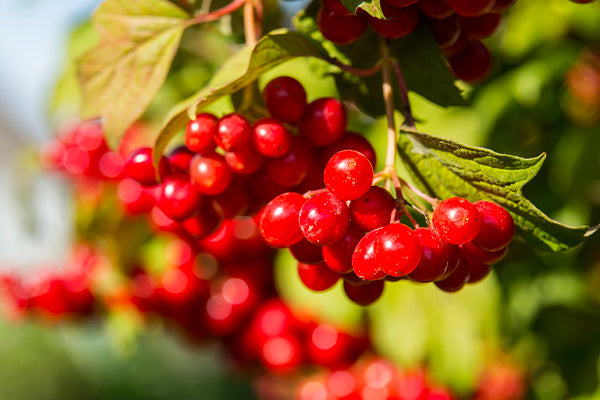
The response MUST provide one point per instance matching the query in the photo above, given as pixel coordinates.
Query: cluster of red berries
(457, 25)
(583, 83)
(53, 292)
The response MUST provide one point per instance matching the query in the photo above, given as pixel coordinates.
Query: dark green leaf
(444, 168)
(120, 76)
(239, 71)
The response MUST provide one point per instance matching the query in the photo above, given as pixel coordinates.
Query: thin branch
(249, 23)
(358, 71)
(409, 119)
(388, 98)
(215, 15)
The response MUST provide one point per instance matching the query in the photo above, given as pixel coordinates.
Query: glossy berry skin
(233, 132)
(323, 122)
(290, 169)
(324, 219)
(285, 99)
(434, 260)
(201, 224)
(400, 22)
(471, 8)
(373, 209)
(243, 161)
(477, 270)
(480, 27)
(317, 277)
(350, 141)
(398, 251)
(178, 199)
(435, 8)
(279, 220)
(497, 226)
(271, 138)
(340, 29)
(179, 159)
(329, 347)
(138, 166)
(456, 280)
(364, 259)
(210, 174)
(366, 294)
(456, 220)
(348, 175)
(483, 256)
(338, 255)
(306, 252)
(200, 132)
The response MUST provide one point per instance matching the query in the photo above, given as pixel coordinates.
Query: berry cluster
(583, 84)
(457, 25)
(52, 293)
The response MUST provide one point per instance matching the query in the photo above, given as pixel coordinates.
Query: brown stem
(249, 23)
(215, 15)
(358, 71)
(409, 119)
(434, 202)
(400, 198)
(388, 98)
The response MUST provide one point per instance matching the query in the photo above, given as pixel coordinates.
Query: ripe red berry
(435, 8)
(285, 99)
(365, 294)
(306, 252)
(178, 199)
(243, 161)
(281, 354)
(203, 223)
(271, 138)
(497, 226)
(456, 280)
(338, 255)
(139, 167)
(179, 159)
(200, 132)
(336, 6)
(317, 277)
(324, 219)
(323, 122)
(135, 198)
(471, 8)
(483, 256)
(210, 173)
(397, 249)
(340, 29)
(350, 141)
(348, 175)
(233, 201)
(480, 27)
(456, 220)
(233, 132)
(477, 270)
(400, 22)
(373, 209)
(446, 31)
(434, 261)
(279, 220)
(400, 3)
(364, 259)
(290, 169)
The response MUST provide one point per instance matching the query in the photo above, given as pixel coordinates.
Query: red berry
(456, 280)
(210, 173)
(329, 347)
(400, 22)
(366, 294)
(348, 175)
(324, 219)
(203, 223)
(233, 201)
(373, 209)
(281, 354)
(179, 159)
(323, 122)
(340, 29)
(233, 132)
(317, 277)
(435, 8)
(477, 270)
(279, 220)
(364, 259)
(480, 27)
(502, 5)
(336, 6)
(482, 256)
(136, 198)
(456, 220)
(446, 31)
(243, 161)
(338, 255)
(306, 252)
(200, 132)
(401, 3)
(290, 169)
(178, 199)
(285, 99)
(139, 167)
(271, 138)
(350, 141)
(471, 8)
(497, 226)
(397, 249)
(434, 261)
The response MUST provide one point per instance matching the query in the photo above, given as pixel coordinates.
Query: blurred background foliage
(543, 310)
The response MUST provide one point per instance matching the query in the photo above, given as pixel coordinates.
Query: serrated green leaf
(444, 168)
(371, 7)
(240, 70)
(120, 76)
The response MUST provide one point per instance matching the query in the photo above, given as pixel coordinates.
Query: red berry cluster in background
(457, 25)
(583, 84)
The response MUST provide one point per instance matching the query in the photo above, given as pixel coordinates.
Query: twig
(215, 15)
(409, 119)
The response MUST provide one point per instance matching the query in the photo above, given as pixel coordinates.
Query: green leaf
(120, 76)
(371, 7)
(443, 168)
(239, 71)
